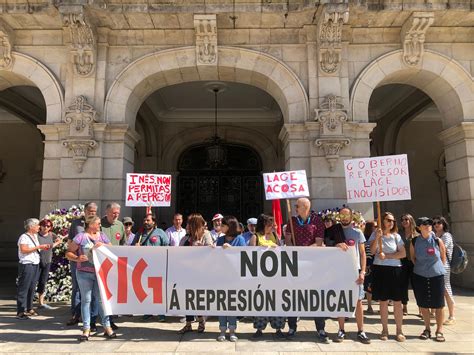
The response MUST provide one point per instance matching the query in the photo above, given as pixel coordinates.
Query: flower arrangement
(59, 286)
(357, 218)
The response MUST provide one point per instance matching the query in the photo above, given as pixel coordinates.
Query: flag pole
(379, 225)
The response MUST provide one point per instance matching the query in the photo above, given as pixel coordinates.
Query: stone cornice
(457, 133)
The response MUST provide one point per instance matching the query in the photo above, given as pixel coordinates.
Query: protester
(328, 221)
(129, 235)
(176, 232)
(441, 229)
(232, 238)
(251, 223)
(369, 228)
(216, 222)
(29, 259)
(356, 237)
(266, 238)
(80, 251)
(45, 236)
(78, 226)
(308, 230)
(388, 248)
(111, 226)
(407, 232)
(197, 236)
(428, 254)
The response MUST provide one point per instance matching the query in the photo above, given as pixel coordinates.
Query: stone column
(459, 150)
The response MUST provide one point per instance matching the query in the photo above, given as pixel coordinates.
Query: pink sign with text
(285, 184)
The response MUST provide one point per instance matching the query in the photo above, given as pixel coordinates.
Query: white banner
(239, 281)
(144, 190)
(377, 179)
(285, 184)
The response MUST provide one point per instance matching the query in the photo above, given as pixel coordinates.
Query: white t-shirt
(31, 242)
(390, 244)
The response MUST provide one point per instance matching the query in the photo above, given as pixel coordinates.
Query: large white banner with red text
(377, 179)
(239, 281)
(145, 190)
(285, 184)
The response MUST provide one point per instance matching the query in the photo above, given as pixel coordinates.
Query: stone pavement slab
(48, 334)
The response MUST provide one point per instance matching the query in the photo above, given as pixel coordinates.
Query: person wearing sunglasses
(388, 248)
(429, 256)
(47, 237)
(128, 224)
(407, 232)
(441, 229)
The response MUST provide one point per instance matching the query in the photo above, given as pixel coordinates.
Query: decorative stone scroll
(330, 36)
(413, 37)
(6, 40)
(83, 48)
(206, 39)
(81, 117)
(331, 115)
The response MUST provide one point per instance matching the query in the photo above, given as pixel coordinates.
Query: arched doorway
(235, 188)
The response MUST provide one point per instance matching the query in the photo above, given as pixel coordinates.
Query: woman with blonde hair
(408, 232)
(197, 236)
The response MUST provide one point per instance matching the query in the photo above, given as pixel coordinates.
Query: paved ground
(47, 334)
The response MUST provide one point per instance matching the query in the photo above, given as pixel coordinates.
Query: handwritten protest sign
(377, 179)
(144, 190)
(285, 184)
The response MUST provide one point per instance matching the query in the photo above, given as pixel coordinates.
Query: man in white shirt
(217, 223)
(176, 232)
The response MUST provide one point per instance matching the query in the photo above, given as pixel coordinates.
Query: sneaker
(449, 321)
(279, 334)
(362, 337)
(45, 306)
(161, 319)
(323, 336)
(233, 338)
(291, 333)
(221, 337)
(341, 334)
(22, 316)
(31, 313)
(145, 317)
(93, 328)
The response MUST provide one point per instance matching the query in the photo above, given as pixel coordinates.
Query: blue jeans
(27, 278)
(89, 287)
(227, 322)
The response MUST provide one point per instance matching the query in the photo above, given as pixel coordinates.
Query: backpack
(459, 259)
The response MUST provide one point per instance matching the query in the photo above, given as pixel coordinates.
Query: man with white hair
(251, 223)
(217, 223)
(111, 225)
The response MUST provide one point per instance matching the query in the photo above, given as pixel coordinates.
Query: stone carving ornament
(330, 37)
(206, 39)
(80, 117)
(6, 39)
(332, 116)
(82, 43)
(413, 37)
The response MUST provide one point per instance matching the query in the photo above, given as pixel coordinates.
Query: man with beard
(217, 223)
(356, 238)
(111, 226)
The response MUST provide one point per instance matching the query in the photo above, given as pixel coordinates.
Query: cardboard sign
(285, 184)
(144, 190)
(258, 281)
(377, 179)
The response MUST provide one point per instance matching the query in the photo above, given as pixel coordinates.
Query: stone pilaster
(459, 151)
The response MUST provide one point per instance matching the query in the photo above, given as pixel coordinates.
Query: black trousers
(320, 323)
(27, 278)
(43, 275)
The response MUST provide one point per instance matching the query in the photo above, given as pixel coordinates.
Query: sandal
(425, 335)
(400, 337)
(84, 336)
(201, 326)
(109, 333)
(384, 335)
(187, 328)
(440, 337)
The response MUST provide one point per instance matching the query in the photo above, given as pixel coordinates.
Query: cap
(252, 221)
(127, 220)
(425, 221)
(217, 216)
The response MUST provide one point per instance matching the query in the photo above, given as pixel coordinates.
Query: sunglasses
(128, 224)
(437, 222)
(405, 219)
(390, 220)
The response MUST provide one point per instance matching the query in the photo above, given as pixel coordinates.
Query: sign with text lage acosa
(285, 184)
(383, 178)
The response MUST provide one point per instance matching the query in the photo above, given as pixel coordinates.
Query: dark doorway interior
(235, 188)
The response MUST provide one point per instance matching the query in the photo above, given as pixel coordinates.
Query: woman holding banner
(197, 236)
(266, 238)
(387, 268)
(80, 251)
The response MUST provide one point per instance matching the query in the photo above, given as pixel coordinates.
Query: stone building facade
(112, 87)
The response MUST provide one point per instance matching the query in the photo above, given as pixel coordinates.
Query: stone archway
(154, 71)
(448, 84)
(26, 70)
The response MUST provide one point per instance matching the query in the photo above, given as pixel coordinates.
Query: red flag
(276, 209)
